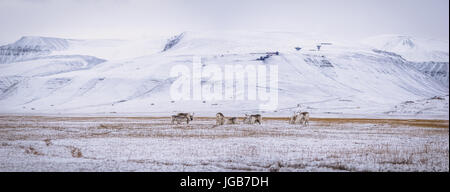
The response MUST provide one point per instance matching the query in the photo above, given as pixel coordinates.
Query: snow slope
(427, 55)
(411, 48)
(132, 76)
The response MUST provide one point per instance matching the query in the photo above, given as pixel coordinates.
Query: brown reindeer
(187, 115)
(304, 120)
(252, 119)
(294, 118)
(181, 117)
(300, 118)
(221, 119)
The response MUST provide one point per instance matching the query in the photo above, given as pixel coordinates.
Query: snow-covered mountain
(427, 55)
(411, 48)
(132, 76)
(42, 43)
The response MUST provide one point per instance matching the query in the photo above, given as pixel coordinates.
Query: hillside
(68, 76)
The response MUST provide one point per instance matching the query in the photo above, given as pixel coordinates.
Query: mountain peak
(392, 42)
(43, 43)
(406, 41)
(411, 48)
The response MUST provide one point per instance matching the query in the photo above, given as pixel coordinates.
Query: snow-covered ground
(153, 144)
(52, 76)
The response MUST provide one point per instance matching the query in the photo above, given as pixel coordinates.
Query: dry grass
(394, 122)
(48, 142)
(335, 120)
(31, 150)
(76, 152)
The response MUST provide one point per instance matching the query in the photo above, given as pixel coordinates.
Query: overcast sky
(344, 19)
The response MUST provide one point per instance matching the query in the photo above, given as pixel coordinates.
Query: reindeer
(221, 119)
(182, 116)
(294, 118)
(232, 120)
(304, 120)
(179, 119)
(300, 118)
(252, 119)
(187, 115)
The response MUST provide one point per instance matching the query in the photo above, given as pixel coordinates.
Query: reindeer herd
(301, 118)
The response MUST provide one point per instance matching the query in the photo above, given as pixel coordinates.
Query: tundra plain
(46, 143)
